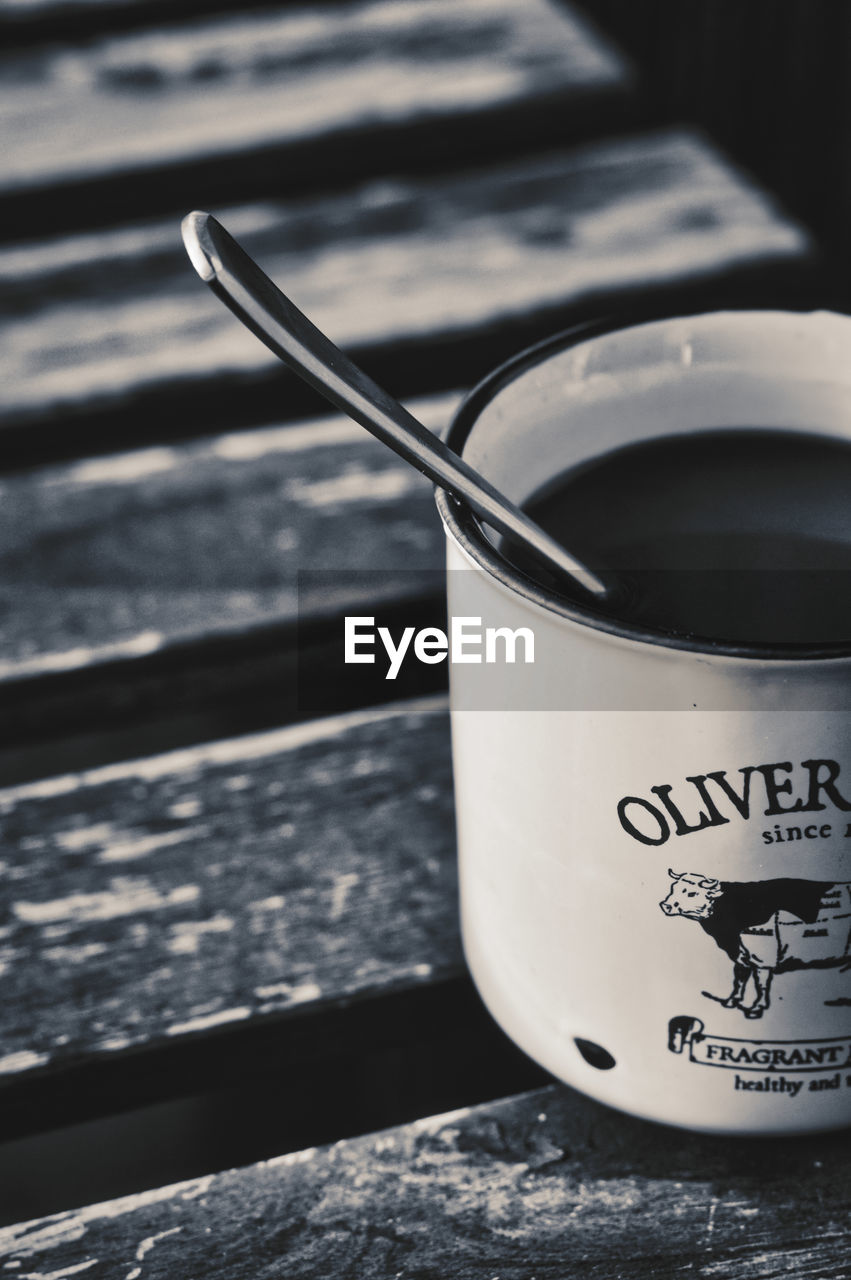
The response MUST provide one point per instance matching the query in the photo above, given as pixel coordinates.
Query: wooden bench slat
(171, 582)
(274, 100)
(117, 331)
(257, 878)
(124, 555)
(544, 1184)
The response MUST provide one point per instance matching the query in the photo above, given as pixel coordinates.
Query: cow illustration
(766, 926)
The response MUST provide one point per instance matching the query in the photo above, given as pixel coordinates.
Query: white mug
(634, 912)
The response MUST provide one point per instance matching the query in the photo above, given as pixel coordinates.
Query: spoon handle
(238, 281)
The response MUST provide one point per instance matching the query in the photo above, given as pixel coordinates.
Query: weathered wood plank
(221, 888)
(123, 555)
(112, 337)
(270, 101)
(544, 1185)
(170, 581)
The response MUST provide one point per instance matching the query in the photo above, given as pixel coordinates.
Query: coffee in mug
(741, 534)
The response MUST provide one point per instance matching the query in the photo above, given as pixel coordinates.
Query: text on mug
(714, 793)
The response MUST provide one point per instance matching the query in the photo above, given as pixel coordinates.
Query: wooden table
(230, 901)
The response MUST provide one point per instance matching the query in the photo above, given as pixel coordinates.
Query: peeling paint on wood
(547, 1184)
(107, 559)
(138, 105)
(403, 262)
(192, 761)
(263, 884)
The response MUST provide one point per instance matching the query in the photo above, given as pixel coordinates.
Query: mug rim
(461, 523)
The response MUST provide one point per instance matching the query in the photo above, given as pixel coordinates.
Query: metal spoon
(237, 280)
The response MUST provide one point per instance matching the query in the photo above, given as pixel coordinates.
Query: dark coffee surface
(738, 535)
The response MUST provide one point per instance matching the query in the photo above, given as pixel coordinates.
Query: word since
(812, 832)
(712, 799)
(466, 642)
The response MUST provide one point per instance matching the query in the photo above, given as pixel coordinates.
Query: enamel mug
(655, 833)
